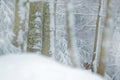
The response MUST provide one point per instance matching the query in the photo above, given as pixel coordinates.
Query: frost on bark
(38, 32)
(6, 27)
(21, 24)
(52, 7)
(46, 29)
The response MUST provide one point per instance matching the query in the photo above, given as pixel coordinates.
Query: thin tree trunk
(105, 37)
(97, 40)
(70, 48)
(16, 23)
(46, 30)
(55, 3)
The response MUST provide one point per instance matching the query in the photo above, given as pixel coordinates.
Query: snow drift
(36, 67)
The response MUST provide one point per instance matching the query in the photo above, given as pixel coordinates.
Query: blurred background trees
(78, 33)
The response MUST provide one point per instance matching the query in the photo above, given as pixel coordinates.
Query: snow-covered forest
(84, 34)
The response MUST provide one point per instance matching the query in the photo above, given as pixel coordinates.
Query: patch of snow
(20, 39)
(34, 67)
(37, 19)
(38, 14)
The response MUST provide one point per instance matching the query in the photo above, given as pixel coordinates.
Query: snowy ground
(35, 67)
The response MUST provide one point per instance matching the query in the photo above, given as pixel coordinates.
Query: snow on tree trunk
(6, 27)
(21, 24)
(35, 31)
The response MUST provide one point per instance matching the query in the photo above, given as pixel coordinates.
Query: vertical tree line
(38, 29)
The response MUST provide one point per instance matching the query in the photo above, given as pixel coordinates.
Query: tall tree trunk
(35, 30)
(97, 41)
(68, 30)
(105, 37)
(46, 29)
(20, 24)
(53, 28)
(39, 30)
